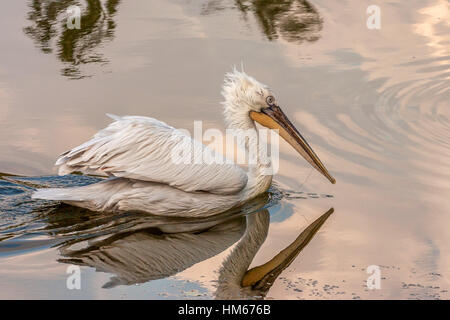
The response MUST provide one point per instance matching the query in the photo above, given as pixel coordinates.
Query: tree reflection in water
(292, 20)
(73, 47)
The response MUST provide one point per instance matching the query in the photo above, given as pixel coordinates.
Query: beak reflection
(262, 277)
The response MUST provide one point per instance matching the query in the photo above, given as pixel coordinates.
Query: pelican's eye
(270, 101)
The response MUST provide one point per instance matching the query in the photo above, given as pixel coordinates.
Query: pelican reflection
(237, 282)
(156, 250)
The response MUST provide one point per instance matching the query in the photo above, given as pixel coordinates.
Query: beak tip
(332, 180)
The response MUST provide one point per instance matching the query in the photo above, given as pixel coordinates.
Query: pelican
(135, 153)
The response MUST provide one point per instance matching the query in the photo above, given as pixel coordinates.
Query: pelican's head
(248, 101)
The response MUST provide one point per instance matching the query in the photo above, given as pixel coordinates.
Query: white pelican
(135, 153)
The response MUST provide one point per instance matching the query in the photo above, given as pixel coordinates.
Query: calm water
(374, 104)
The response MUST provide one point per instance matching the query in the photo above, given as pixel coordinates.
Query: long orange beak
(274, 118)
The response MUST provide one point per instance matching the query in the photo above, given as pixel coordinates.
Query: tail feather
(61, 194)
(98, 196)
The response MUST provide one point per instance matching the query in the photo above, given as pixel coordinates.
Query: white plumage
(141, 148)
(138, 154)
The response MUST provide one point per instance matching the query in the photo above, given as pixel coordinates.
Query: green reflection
(73, 47)
(291, 20)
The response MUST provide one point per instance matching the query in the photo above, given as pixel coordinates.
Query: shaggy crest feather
(242, 94)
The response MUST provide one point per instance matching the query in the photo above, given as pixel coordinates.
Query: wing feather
(146, 149)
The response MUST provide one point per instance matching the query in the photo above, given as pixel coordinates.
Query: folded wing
(146, 149)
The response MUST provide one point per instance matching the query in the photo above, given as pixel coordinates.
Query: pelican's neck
(259, 176)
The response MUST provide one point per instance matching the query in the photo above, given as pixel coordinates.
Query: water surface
(372, 103)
